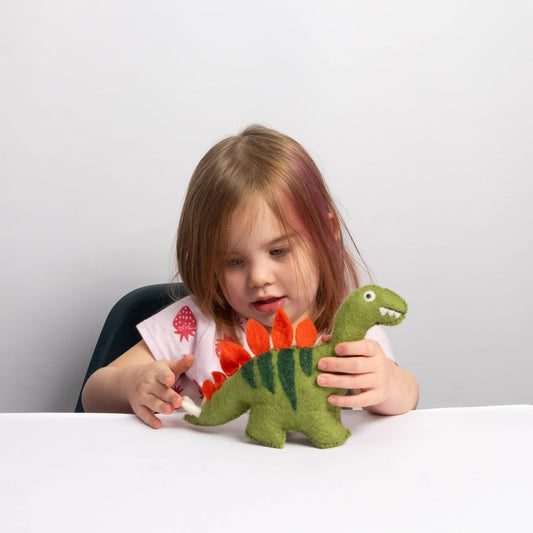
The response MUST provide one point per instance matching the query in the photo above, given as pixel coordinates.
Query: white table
(435, 470)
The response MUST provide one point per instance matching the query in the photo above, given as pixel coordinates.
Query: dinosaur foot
(329, 437)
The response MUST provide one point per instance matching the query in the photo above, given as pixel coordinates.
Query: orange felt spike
(282, 331)
(232, 356)
(257, 337)
(208, 389)
(306, 334)
(219, 379)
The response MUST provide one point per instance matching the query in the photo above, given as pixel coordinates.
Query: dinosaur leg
(263, 428)
(326, 432)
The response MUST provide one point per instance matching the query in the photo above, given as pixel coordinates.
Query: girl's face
(267, 268)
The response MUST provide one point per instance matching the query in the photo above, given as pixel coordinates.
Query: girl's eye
(279, 252)
(234, 262)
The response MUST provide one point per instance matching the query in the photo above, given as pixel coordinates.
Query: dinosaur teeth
(391, 312)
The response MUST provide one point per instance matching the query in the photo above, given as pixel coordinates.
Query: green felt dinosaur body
(279, 386)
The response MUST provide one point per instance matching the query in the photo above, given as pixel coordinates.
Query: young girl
(258, 231)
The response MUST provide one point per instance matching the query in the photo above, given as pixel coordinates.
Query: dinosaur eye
(369, 296)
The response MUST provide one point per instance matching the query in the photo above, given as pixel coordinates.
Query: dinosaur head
(366, 307)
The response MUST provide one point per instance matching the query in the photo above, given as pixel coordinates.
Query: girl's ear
(335, 227)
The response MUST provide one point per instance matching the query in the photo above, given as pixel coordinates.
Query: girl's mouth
(269, 305)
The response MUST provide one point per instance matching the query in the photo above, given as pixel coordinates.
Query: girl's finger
(169, 371)
(147, 416)
(346, 365)
(157, 405)
(345, 381)
(166, 394)
(181, 366)
(363, 399)
(365, 348)
(164, 375)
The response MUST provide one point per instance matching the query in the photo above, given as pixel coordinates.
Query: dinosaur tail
(226, 404)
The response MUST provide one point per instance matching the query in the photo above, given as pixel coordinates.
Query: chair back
(119, 332)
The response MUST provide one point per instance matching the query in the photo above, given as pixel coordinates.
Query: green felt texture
(286, 374)
(286, 396)
(248, 374)
(266, 370)
(306, 360)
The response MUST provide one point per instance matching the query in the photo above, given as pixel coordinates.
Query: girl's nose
(260, 274)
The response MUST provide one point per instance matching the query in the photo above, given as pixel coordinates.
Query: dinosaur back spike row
(232, 356)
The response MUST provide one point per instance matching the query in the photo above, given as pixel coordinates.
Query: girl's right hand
(148, 388)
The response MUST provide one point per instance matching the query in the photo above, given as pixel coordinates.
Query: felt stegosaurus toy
(279, 385)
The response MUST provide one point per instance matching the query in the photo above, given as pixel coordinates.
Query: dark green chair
(119, 333)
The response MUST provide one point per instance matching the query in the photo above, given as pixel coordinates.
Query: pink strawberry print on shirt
(225, 338)
(241, 322)
(185, 323)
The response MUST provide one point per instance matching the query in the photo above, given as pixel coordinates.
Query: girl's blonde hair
(260, 162)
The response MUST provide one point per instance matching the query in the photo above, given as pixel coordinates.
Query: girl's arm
(136, 383)
(383, 387)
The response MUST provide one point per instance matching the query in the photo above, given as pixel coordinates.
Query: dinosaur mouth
(390, 312)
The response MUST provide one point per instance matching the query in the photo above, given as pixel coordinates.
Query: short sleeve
(181, 329)
(172, 332)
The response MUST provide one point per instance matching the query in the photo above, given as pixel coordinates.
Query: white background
(418, 113)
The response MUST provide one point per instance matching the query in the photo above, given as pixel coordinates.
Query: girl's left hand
(361, 367)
